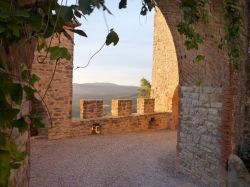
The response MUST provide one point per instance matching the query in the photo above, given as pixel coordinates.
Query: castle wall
(59, 95)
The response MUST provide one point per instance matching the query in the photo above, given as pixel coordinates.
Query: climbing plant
(195, 11)
(21, 24)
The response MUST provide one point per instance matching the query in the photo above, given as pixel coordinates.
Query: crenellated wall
(92, 117)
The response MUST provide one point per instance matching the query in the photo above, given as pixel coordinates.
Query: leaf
(144, 10)
(65, 12)
(20, 124)
(29, 92)
(15, 29)
(4, 15)
(77, 13)
(36, 121)
(21, 13)
(34, 79)
(200, 58)
(123, 4)
(86, 6)
(15, 165)
(4, 173)
(16, 93)
(2, 29)
(112, 37)
(7, 115)
(80, 32)
(59, 52)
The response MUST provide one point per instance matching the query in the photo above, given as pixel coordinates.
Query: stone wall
(201, 135)
(59, 95)
(121, 107)
(165, 67)
(91, 108)
(114, 125)
(91, 117)
(145, 106)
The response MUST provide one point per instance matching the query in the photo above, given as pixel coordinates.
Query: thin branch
(52, 77)
(78, 67)
(45, 104)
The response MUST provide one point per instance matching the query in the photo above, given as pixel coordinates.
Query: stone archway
(209, 93)
(199, 95)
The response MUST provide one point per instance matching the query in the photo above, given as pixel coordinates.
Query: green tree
(145, 89)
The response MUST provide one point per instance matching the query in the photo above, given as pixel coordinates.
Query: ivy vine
(194, 11)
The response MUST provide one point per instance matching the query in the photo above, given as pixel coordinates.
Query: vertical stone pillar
(121, 107)
(202, 138)
(145, 106)
(91, 109)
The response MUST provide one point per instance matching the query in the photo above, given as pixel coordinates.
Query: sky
(128, 61)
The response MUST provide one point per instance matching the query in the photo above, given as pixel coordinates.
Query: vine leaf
(16, 93)
(29, 92)
(7, 115)
(200, 58)
(112, 37)
(20, 124)
(36, 121)
(123, 4)
(34, 79)
(80, 32)
(59, 52)
(65, 12)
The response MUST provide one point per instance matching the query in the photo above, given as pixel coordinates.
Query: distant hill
(105, 91)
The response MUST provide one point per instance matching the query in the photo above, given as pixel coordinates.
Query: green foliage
(112, 38)
(194, 11)
(233, 26)
(145, 89)
(11, 97)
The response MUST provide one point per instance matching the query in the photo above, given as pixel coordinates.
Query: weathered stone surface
(238, 174)
(145, 106)
(121, 107)
(199, 151)
(91, 109)
(113, 124)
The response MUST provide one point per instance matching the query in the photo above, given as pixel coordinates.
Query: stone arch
(208, 93)
(203, 93)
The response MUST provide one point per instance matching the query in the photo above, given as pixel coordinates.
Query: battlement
(120, 107)
(93, 121)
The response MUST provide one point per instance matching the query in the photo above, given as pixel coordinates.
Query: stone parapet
(113, 125)
(121, 107)
(91, 109)
(145, 106)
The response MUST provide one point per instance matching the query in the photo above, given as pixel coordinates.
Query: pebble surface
(133, 159)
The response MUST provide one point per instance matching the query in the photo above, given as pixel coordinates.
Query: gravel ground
(134, 159)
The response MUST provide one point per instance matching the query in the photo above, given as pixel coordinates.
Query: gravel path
(134, 159)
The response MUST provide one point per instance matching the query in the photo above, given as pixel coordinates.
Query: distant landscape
(104, 91)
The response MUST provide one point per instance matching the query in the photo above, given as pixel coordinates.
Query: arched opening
(165, 76)
(204, 116)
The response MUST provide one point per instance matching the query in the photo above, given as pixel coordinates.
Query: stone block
(145, 106)
(91, 109)
(121, 107)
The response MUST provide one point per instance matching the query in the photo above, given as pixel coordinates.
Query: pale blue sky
(128, 61)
